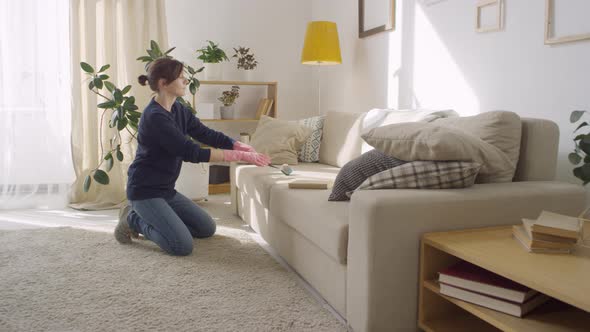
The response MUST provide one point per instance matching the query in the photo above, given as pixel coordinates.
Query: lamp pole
(319, 90)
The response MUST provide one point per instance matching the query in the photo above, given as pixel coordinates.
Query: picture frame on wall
(550, 22)
(497, 6)
(376, 16)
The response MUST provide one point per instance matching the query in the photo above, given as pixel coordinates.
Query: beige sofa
(362, 256)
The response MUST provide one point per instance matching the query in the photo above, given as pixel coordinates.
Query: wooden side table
(563, 277)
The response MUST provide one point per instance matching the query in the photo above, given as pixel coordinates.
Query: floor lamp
(321, 48)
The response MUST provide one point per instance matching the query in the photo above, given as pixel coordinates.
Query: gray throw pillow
(358, 170)
(424, 175)
(310, 151)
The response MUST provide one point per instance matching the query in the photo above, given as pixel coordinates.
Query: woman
(155, 209)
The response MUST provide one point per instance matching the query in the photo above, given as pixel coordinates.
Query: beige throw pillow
(501, 129)
(428, 141)
(280, 140)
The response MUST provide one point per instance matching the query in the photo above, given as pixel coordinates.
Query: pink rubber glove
(255, 158)
(239, 146)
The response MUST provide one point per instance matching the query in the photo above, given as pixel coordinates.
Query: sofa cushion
(424, 175)
(310, 151)
(309, 212)
(341, 140)
(358, 170)
(499, 128)
(428, 141)
(279, 139)
(257, 181)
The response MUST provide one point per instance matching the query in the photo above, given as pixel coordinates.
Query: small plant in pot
(212, 56)
(228, 98)
(246, 61)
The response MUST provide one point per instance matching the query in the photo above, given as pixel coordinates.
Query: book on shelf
(557, 224)
(477, 279)
(264, 107)
(311, 184)
(528, 223)
(512, 308)
(520, 233)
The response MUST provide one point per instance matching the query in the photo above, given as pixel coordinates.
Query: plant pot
(227, 112)
(245, 75)
(212, 71)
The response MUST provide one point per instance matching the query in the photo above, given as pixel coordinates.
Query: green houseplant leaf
(110, 163)
(86, 67)
(110, 86)
(107, 104)
(576, 115)
(103, 68)
(101, 176)
(574, 158)
(98, 83)
(87, 182)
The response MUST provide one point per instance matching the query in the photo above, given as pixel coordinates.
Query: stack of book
(471, 283)
(550, 233)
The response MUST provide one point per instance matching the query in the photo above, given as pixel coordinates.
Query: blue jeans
(171, 223)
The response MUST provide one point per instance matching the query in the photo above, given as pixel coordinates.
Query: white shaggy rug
(66, 279)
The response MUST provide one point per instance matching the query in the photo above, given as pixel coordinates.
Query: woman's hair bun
(142, 79)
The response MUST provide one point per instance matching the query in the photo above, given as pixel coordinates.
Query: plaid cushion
(424, 175)
(358, 170)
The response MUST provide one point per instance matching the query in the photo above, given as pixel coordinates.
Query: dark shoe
(123, 233)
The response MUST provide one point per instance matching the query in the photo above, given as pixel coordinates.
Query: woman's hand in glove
(239, 146)
(255, 158)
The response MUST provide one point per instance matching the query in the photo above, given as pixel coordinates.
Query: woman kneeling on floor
(155, 209)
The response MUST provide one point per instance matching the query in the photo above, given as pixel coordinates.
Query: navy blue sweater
(163, 145)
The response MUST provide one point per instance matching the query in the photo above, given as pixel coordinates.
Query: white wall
(273, 29)
(435, 59)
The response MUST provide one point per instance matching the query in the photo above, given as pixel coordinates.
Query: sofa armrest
(385, 228)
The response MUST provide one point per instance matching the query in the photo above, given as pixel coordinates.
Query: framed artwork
(497, 7)
(376, 16)
(550, 25)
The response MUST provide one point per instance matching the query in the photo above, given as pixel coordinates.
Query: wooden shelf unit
(563, 277)
(271, 92)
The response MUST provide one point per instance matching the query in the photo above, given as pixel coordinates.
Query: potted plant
(228, 98)
(246, 61)
(212, 56)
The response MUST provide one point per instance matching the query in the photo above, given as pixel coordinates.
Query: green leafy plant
(123, 116)
(246, 60)
(212, 53)
(123, 111)
(229, 97)
(582, 149)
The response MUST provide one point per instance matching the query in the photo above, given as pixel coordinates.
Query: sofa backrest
(341, 142)
(538, 150)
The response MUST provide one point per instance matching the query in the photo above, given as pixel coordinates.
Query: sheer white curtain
(35, 104)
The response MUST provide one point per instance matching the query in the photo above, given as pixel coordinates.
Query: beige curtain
(113, 32)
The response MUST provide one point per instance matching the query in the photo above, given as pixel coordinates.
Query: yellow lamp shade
(321, 46)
